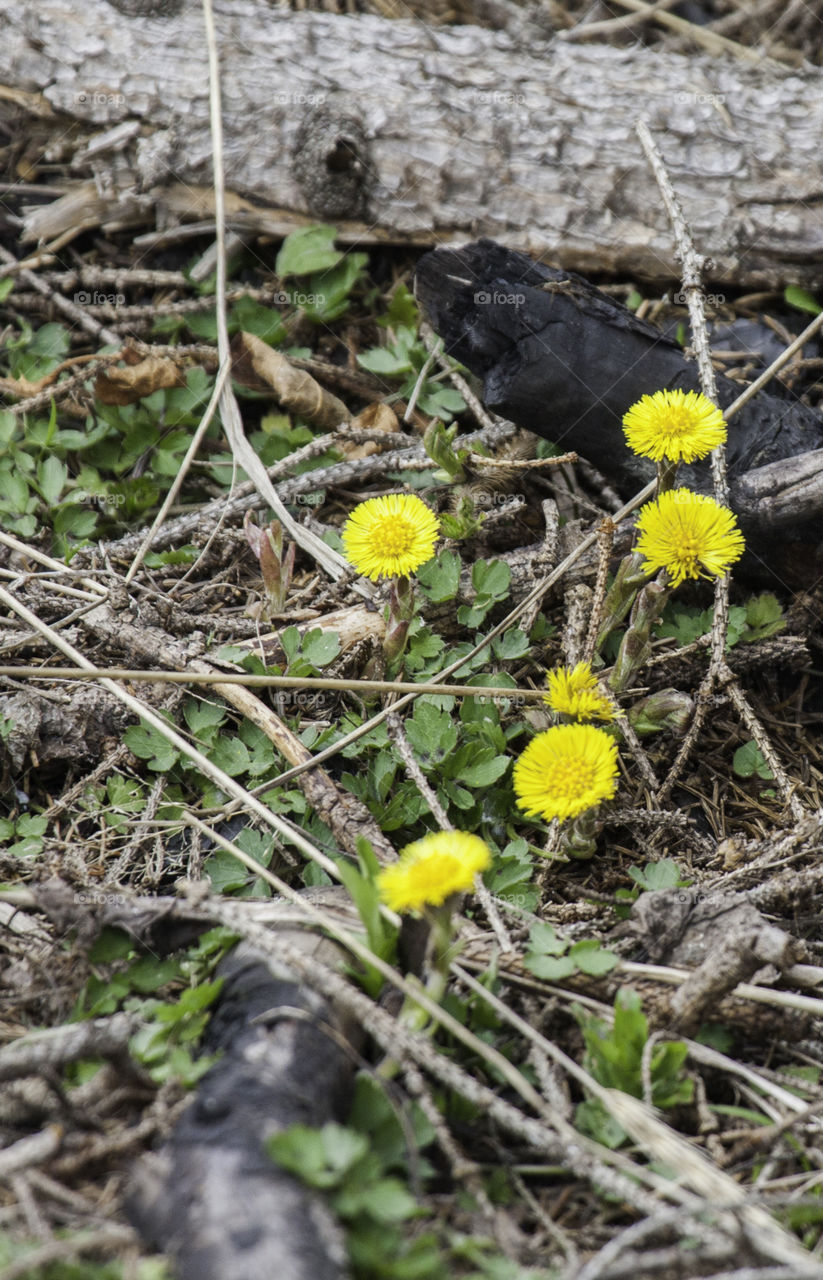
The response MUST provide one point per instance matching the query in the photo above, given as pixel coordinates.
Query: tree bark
(398, 131)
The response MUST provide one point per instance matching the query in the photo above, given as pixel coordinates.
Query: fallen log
(565, 360)
(398, 131)
(212, 1199)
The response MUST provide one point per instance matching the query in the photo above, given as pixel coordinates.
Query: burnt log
(562, 358)
(407, 132)
(212, 1199)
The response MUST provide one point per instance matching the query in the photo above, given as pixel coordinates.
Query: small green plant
(759, 619)
(614, 1057)
(13, 1253)
(165, 1043)
(23, 837)
(403, 357)
(381, 937)
(801, 300)
(357, 1166)
(664, 874)
(439, 579)
(363, 1169)
(326, 275)
(748, 762)
(552, 957)
(491, 580)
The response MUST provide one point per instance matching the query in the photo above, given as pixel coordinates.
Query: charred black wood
(565, 360)
(212, 1199)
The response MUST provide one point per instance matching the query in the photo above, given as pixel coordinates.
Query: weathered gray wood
(435, 133)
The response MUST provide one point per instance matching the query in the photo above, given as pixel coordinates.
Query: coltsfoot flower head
(674, 426)
(390, 537)
(688, 534)
(566, 770)
(432, 869)
(573, 692)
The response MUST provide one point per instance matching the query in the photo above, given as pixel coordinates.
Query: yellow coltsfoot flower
(430, 870)
(674, 426)
(566, 770)
(688, 534)
(390, 537)
(573, 692)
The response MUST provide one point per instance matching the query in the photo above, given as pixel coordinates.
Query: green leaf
(148, 744)
(485, 771)
(592, 1117)
(590, 957)
(300, 1150)
(491, 578)
(764, 618)
(226, 874)
(664, 874)
(439, 401)
(551, 968)
(149, 973)
(513, 643)
(306, 250)
(544, 941)
(176, 556)
(201, 716)
(30, 824)
(402, 309)
(385, 1200)
(52, 475)
(748, 760)
(14, 492)
(110, 945)
(47, 348)
(439, 578)
(320, 647)
(326, 295)
(231, 755)
(431, 732)
(365, 896)
(264, 322)
(801, 300)
(385, 360)
(76, 522)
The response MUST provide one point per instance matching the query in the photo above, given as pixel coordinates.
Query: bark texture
(399, 130)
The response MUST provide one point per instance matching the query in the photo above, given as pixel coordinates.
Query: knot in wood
(332, 163)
